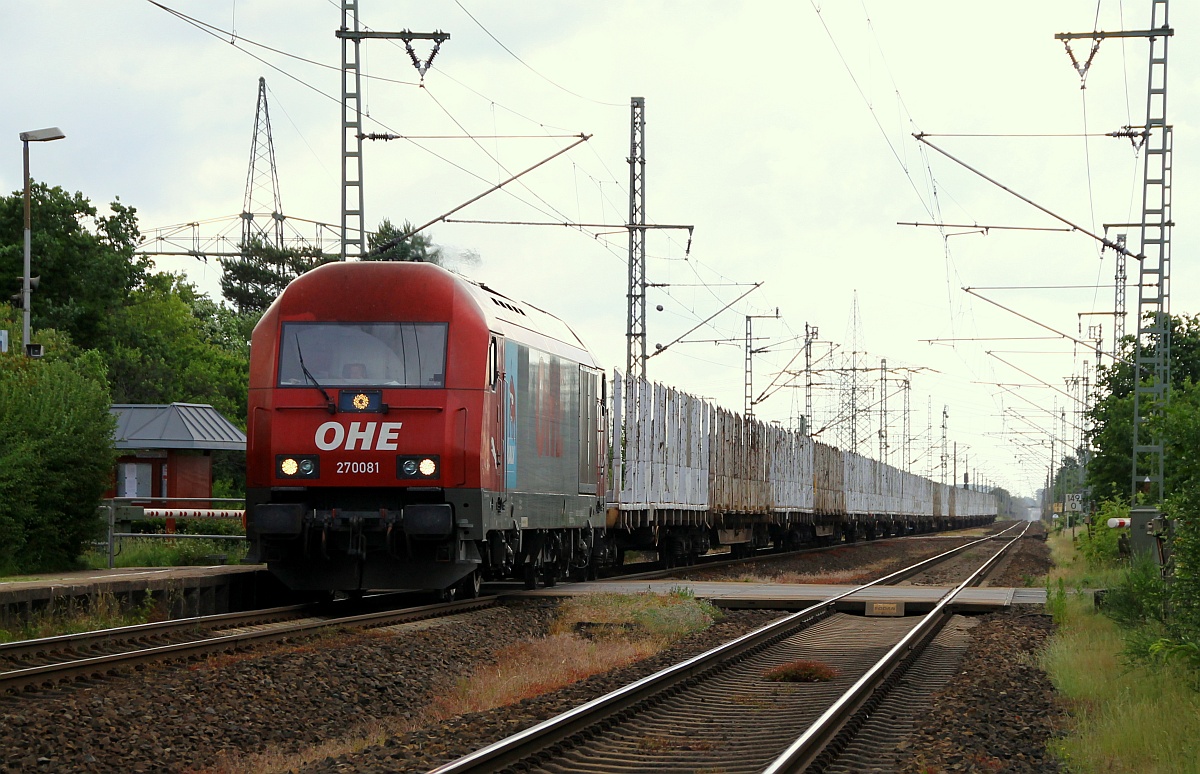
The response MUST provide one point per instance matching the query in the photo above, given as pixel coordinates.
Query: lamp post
(38, 135)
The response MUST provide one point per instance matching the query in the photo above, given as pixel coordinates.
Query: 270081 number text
(358, 467)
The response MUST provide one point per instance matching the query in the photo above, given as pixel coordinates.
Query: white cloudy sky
(781, 130)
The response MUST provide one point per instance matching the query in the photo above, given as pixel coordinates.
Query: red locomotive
(409, 428)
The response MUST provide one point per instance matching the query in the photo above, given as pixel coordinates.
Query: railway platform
(884, 600)
(183, 591)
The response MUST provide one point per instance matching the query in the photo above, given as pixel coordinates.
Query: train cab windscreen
(363, 355)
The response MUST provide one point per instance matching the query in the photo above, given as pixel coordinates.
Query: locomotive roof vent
(508, 306)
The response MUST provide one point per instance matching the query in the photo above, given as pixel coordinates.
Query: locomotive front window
(363, 355)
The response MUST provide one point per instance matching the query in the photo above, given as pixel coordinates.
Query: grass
(532, 668)
(69, 616)
(163, 552)
(1127, 717)
(1074, 570)
(592, 634)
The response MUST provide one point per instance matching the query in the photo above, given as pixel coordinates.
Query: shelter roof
(174, 426)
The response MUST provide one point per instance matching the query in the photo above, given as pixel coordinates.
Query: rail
(519, 746)
(51, 673)
(803, 752)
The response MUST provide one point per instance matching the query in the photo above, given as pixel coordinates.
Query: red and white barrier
(193, 513)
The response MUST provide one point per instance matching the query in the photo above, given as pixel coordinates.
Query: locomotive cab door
(497, 426)
(591, 432)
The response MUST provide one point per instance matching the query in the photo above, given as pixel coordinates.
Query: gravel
(860, 562)
(220, 713)
(1000, 711)
(182, 716)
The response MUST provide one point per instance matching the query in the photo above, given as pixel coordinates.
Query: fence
(120, 510)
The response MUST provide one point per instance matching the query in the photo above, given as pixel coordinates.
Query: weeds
(648, 615)
(623, 628)
(1056, 601)
(802, 671)
(70, 615)
(163, 552)
(1131, 695)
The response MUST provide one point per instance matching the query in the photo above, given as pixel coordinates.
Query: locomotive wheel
(448, 594)
(470, 586)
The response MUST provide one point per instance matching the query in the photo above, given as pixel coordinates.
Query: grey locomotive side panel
(544, 466)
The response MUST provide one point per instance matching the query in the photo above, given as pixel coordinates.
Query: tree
(252, 282)
(1111, 416)
(163, 350)
(85, 260)
(1005, 505)
(416, 248)
(56, 459)
(114, 332)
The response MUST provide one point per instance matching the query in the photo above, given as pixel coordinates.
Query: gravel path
(252, 711)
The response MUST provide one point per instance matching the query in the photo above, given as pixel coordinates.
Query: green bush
(56, 459)
(1184, 510)
(1140, 598)
(1099, 543)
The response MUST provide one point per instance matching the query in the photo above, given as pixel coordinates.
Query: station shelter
(165, 451)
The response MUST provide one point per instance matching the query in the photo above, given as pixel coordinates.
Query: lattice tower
(262, 181)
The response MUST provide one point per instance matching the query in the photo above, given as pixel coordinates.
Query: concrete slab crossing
(795, 596)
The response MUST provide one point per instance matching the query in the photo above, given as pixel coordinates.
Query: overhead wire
(219, 33)
(525, 64)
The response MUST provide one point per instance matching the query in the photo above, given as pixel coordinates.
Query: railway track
(49, 661)
(716, 712)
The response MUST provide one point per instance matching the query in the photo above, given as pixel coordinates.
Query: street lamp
(38, 135)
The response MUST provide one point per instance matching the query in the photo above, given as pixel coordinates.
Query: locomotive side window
(363, 355)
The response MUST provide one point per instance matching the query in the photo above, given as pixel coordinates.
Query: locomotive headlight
(297, 466)
(423, 467)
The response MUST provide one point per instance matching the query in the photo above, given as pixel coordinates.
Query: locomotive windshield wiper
(308, 375)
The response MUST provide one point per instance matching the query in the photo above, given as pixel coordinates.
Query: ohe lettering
(360, 435)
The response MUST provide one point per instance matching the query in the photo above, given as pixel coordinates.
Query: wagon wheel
(552, 558)
(531, 574)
